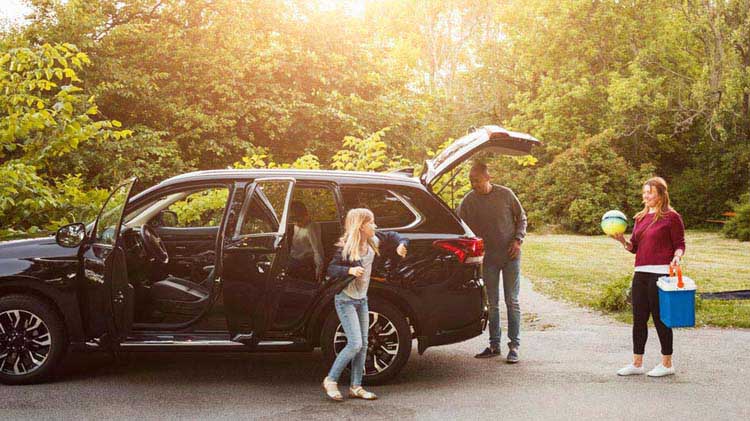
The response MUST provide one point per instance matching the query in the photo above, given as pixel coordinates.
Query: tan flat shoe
(332, 390)
(361, 393)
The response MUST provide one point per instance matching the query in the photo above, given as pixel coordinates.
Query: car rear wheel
(389, 342)
(32, 340)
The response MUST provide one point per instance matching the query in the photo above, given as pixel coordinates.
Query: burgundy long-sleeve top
(655, 244)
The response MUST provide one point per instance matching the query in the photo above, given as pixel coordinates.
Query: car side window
(389, 208)
(203, 208)
(314, 227)
(257, 220)
(319, 201)
(107, 225)
(263, 212)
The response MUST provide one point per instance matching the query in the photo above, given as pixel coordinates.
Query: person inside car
(306, 255)
(356, 252)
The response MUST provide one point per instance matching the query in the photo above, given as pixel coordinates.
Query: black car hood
(42, 247)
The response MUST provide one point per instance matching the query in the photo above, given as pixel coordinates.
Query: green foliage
(279, 83)
(260, 157)
(582, 183)
(368, 154)
(668, 81)
(201, 209)
(454, 185)
(23, 194)
(146, 154)
(44, 116)
(701, 190)
(238, 73)
(615, 295)
(739, 225)
(28, 203)
(76, 202)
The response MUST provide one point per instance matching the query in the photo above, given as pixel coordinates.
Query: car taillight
(468, 250)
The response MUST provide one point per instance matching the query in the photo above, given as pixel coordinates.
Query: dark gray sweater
(497, 217)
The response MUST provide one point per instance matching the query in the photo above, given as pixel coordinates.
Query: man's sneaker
(512, 357)
(489, 352)
(661, 371)
(630, 370)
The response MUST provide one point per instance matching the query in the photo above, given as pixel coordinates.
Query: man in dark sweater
(494, 213)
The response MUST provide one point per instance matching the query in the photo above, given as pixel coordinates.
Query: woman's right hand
(357, 271)
(619, 237)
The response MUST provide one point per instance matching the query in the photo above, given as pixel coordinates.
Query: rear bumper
(445, 337)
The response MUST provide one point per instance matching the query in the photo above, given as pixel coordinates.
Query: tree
(45, 115)
(582, 183)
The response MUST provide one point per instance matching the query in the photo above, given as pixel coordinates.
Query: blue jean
(355, 319)
(511, 286)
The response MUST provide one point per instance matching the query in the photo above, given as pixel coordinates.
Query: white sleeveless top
(357, 289)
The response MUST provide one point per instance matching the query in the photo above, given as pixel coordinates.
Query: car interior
(171, 241)
(171, 245)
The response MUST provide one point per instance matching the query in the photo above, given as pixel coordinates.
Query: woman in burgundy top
(658, 241)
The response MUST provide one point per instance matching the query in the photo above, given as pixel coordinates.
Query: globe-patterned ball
(614, 222)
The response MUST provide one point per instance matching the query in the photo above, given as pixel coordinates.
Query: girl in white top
(355, 256)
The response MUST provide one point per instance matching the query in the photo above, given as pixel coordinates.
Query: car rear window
(391, 209)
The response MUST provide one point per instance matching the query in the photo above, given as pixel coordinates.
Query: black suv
(203, 261)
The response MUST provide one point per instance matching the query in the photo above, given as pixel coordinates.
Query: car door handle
(264, 266)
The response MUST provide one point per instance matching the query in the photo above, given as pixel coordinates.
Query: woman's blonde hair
(662, 205)
(353, 241)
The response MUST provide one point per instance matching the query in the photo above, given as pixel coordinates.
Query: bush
(739, 225)
(44, 116)
(582, 183)
(616, 295)
(30, 204)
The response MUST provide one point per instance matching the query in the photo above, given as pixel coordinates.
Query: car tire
(32, 340)
(390, 340)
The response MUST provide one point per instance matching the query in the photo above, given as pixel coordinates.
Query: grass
(579, 268)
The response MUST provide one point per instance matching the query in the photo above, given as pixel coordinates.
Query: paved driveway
(569, 356)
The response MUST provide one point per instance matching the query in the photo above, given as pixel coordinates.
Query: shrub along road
(570, 356)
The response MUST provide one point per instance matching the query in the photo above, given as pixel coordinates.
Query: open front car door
(104, 263)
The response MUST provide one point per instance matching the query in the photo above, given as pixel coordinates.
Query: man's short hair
(481, 168)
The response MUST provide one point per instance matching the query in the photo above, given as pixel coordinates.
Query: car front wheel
(32, 339)
(389, 341)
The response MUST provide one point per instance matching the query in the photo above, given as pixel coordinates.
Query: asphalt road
(569, 358)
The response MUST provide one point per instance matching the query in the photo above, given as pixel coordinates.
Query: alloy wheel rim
(25, 342)
(382, 343)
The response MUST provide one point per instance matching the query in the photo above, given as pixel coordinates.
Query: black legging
(646, 301)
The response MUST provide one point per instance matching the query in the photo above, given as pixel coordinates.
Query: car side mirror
(71, 235)
(167, 218)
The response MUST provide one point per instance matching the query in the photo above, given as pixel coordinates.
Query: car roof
(341, 177)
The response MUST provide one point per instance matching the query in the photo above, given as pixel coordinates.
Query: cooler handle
(680, 284)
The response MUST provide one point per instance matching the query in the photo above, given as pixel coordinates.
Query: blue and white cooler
(676, 299)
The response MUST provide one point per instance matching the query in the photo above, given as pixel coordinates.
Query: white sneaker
(630, 370)
(661, 371)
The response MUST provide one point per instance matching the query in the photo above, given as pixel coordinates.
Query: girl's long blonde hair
(353, 241)
(662, 206)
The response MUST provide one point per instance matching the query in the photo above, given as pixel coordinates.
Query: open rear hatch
(486, 138)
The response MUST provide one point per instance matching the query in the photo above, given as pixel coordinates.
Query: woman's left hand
(401, 250)
(675, 261)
